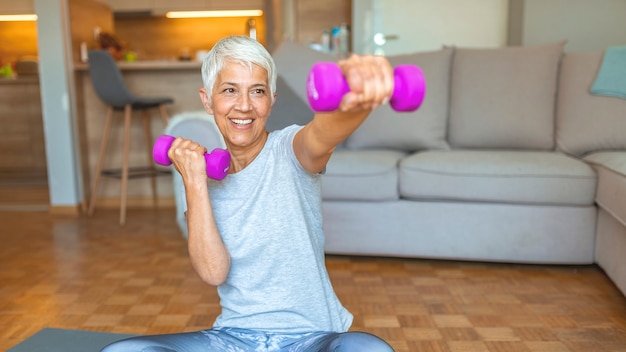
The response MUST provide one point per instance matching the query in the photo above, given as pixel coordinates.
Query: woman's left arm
(370, 79)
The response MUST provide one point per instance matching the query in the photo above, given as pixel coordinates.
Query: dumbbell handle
(326, 86)
(217, 162)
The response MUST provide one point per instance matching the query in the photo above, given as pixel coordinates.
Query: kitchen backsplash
(155, 38)
(19, 40)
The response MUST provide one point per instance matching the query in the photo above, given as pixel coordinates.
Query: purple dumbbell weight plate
(326, 86)
(217, 164)
(161, 147)
(409, 88)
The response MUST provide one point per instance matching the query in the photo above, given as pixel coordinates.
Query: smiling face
(240, 103)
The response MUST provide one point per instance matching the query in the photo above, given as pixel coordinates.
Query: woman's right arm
(207, 251)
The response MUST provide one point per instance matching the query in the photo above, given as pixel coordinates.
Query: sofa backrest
(504, 97)
(384, 128)
(497, 98)
(293, 63)
(587, 122)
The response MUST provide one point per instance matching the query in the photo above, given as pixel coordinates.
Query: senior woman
(257, 234)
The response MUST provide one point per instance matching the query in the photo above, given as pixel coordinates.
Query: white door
(393, 27)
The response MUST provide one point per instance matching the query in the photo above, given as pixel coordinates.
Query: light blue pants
(241, 340)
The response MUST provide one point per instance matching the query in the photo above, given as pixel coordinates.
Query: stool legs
(164, 115)
(103, 147)
(148, 132)
(127, 116)
(126, 152)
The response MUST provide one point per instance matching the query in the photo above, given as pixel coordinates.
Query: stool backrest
(107, 79)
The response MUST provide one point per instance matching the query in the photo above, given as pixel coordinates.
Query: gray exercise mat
(61, 340)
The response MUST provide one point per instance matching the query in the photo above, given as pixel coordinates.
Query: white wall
(423, 25)
(587, 25)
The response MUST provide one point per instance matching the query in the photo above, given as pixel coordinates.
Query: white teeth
(242, 122)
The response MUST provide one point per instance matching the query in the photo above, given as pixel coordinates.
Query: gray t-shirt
(270, 219)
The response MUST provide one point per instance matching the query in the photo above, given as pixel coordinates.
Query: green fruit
(130, 56)
(6, 71)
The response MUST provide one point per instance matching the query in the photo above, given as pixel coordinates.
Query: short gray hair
(240, 49)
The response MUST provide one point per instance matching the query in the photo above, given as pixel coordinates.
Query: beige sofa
(509, 159)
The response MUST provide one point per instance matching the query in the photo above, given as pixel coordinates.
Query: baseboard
(136, 203)
(65, 210)
(113, 203)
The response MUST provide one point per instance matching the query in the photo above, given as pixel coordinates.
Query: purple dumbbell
(326, 86)
(217, 162)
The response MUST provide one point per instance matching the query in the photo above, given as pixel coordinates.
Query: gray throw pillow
(587, 122)
(504, 97)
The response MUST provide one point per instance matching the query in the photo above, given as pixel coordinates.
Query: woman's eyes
(256, 91)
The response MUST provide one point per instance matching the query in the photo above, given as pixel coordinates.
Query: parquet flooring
(92, 274)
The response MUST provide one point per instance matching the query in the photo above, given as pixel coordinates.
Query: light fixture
(227, 13)
(23, 17)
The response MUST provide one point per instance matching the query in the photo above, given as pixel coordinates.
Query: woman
(257, 234)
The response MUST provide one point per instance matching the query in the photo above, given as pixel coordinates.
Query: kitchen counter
(20, 80)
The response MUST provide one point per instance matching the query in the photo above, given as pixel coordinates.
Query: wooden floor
(92, 274)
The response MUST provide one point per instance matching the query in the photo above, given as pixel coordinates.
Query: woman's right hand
(188, 159)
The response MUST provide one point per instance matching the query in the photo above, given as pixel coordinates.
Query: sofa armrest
(197, 126)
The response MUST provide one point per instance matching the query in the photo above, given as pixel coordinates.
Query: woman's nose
(243, 102)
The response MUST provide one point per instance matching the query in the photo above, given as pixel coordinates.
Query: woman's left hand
(370, 79)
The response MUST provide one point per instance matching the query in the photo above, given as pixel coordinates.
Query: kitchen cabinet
(235, 5)
(129, 5)
(17, 7)
(313, 17)
(160, 7)
(23, 156)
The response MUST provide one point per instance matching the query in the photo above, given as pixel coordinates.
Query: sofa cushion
(587, 122)
(364, 175)
(424, 128)
(522, 177)
(504, 97)
(611, 194)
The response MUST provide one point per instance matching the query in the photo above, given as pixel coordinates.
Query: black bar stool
(112, 90)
